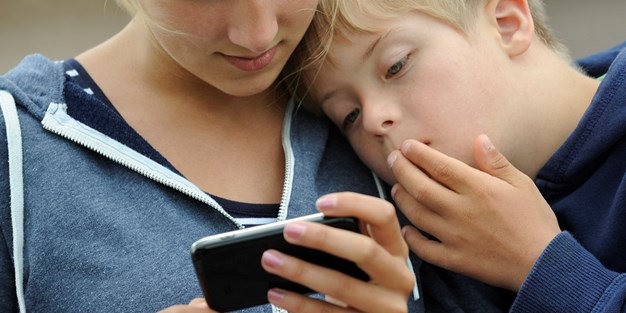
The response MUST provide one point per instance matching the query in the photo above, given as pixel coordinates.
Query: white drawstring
(16, 182)
(383, 195)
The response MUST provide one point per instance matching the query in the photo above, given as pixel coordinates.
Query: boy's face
(416, 78)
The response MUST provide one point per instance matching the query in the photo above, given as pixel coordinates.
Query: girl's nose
(255, 26)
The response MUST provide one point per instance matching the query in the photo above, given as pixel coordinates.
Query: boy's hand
(492, 224)
(382, 255)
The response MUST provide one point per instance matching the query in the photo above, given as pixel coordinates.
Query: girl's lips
(252, 64)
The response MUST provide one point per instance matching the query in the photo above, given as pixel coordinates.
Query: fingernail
(406, 146)
(487, 144)
(391, 159)
(275, 295)
(327, 202)
(294, 230)
(394, 189)
(271, 259)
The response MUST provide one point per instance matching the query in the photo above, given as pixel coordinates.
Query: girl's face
(237, 46)
(416, 78)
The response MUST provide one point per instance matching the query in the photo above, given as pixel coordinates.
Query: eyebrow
(367, 54)
(372, 47)
(328, 96)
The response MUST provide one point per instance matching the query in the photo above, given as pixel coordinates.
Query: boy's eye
(351, 117)
(396, 67)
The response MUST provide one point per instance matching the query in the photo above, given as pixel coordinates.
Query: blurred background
(63, 28)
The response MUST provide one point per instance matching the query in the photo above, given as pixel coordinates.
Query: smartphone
(228, 265)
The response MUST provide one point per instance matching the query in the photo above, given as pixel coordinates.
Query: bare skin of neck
(557, 96)
(228, 146)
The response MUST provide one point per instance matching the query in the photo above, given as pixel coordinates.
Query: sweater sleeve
(568, 278)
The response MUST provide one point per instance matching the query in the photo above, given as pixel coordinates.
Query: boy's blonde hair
(336, 18)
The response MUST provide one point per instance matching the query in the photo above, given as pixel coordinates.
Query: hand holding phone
(380, 251)
(228, 265)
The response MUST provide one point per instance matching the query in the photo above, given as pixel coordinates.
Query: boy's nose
(255, 26)
(380, 120)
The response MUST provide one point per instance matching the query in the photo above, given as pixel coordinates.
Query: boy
(422, 88)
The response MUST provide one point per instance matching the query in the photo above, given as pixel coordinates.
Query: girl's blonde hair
(337, 18)
(131, 6)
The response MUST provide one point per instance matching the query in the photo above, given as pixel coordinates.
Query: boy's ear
(515, 24)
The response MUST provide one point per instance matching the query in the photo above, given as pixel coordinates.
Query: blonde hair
(337, 18)
(131, 6)
(311, 51)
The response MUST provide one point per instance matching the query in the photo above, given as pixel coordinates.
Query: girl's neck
(209, 136)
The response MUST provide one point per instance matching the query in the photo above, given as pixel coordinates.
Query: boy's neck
(559, 95)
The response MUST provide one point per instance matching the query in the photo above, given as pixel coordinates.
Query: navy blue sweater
(582, 270)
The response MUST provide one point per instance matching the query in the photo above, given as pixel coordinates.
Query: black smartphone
(228, 265)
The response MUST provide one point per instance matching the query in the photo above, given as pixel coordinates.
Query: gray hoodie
(108, 229)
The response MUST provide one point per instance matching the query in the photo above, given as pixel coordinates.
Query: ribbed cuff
(565, 278)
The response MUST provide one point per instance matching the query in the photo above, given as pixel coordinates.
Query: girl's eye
(351, 117)
(396, 68)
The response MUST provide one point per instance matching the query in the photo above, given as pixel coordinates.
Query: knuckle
(484, 191)
(527, 181)
(325, 309)
(299, 305)
(397, 307)
(423, 194)
(500, 162)
(409, 278)
(418, 216)
(488, 194)
(319, 237)
(388, 213)
(367, 251)
(297, 270)
(451, 260)
(443, 171)
(341, 289)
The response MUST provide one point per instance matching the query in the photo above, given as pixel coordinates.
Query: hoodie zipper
(59, 122)
(289, 162)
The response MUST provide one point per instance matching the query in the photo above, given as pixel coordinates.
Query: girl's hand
(382, 254)
(491, 223)
(197, 305)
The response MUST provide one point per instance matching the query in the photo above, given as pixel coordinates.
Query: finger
(419, 215)
(422, 188)
(431, 251)
(199, 303)
(294, 302)
(490, 160)
(362, 250)
(447, 171)
(378, 214)
(356, 293)
(181, 308)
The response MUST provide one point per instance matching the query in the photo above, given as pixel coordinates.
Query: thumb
(199, 303)
(491, 161)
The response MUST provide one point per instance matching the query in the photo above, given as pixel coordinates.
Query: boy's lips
(255, 63)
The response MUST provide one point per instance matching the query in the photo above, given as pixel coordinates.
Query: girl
(176, 128)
